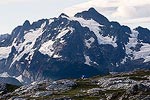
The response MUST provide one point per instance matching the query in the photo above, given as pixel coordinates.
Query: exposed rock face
(125, 86)
(116, 83)
(9, 80)
(2, 86)
(68, 47)
(138, 88)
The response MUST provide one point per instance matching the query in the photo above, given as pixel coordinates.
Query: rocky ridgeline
(125, 86)
(69, 47)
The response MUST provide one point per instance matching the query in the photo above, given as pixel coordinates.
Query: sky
(128, 12)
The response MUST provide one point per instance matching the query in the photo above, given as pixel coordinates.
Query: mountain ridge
(86, 44)
(115, 86)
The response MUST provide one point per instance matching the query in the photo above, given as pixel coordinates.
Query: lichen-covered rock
(61, 85)
(124, 86)
(138, 88)
(116, 83)
(42, 94)
(16, 98)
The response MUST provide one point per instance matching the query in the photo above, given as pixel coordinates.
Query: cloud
(4, 2)
(120, 10)
(138, 20)
(125, 11)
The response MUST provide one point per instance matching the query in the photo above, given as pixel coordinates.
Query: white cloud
(125, 11)
(3, 2)
(137, 21)
(119, 10)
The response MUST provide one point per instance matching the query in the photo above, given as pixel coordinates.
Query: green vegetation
(137, 78)
(139, 73)
(88, 89)
(79, 92)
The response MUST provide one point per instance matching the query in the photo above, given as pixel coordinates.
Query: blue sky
(128, 12)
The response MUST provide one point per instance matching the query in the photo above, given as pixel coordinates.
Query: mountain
(68, 47)
(9, 80)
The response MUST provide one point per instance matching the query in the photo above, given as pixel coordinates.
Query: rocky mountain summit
(69, 47)
(124, 86)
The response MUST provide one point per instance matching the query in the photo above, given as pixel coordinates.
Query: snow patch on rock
(87, 60)
(4, 52)
(144, 51)
(133, 41)
(95, 27)
(19, 78)
(30, 39)
(89, 42)
(47, 48)
(5, 74)
(62, 33)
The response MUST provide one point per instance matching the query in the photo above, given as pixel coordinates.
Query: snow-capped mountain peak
(69, 47)
(93, 14)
